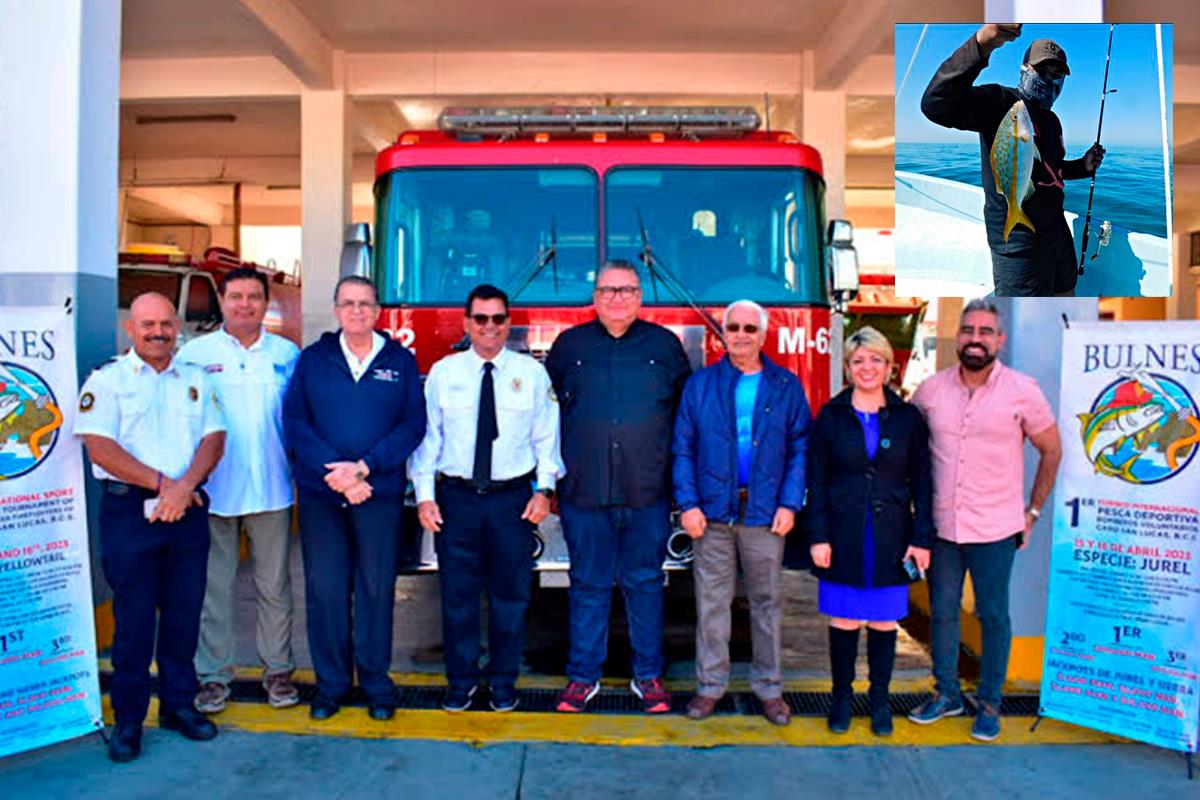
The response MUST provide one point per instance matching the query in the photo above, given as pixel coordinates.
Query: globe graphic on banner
(30, 420)
(1142, 428)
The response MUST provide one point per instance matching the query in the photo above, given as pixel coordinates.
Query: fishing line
(911, 61)
(1162, 108)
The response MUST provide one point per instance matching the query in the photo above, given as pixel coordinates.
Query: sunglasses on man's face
(484, 319)
(734, 327)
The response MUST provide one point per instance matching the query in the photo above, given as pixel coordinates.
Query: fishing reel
(1105, 236)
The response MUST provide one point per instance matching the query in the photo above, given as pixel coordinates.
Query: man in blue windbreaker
(739, 448)
(353, 414)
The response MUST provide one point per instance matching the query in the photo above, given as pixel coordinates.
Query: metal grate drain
(621, 701)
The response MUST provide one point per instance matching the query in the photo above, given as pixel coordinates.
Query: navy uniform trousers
(152, 568)
(484, 541)
(350, 551)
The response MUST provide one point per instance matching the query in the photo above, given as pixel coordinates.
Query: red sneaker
(655, 698)
(574, 698)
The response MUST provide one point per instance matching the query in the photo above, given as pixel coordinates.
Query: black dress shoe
(189, 722)
(381, 710)
(125, 744)
(322, 709)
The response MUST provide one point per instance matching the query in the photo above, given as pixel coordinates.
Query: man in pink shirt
(979, 414)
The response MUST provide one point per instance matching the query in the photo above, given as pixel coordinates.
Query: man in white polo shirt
(251, 490)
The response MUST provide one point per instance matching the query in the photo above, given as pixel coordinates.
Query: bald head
(153, 328)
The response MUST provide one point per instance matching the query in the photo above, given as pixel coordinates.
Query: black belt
(492, 486)
(127, 490)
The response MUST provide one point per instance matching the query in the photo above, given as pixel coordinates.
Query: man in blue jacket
(353, 414)
(739, 448)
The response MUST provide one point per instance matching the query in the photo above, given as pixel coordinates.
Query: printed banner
(1123, 607)
(49, 684)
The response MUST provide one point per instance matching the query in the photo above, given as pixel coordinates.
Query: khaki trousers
(716, 567)
(269, 535)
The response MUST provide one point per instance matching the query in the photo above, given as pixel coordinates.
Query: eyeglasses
(609, 292)
(356, 305)
(495, 319)
(734, 327)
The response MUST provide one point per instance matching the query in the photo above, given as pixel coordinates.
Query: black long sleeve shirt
(617, 397)
(953, 101)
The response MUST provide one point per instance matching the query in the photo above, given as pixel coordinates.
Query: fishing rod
(1087, 223)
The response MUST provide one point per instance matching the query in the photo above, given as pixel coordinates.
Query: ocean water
(1129, 185)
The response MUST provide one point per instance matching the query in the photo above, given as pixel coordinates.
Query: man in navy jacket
(739, 448)
(353, 414)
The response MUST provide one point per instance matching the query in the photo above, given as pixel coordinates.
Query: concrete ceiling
(164, 28)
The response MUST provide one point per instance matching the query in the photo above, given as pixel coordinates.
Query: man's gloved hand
(1094, 157)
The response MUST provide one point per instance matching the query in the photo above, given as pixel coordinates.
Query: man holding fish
(1023, 158)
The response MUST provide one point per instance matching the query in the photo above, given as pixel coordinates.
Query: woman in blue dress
(870, 497)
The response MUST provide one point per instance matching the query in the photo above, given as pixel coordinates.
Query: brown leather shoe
(700, 706)
(776, 711)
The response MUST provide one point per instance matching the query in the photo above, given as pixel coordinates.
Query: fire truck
(192, 284)
(710, 207)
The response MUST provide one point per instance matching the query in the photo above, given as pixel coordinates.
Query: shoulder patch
(86, 401)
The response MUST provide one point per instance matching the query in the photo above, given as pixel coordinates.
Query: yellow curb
(484, 728)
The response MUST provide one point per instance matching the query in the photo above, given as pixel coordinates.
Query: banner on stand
(1123, 608)
(49, 683)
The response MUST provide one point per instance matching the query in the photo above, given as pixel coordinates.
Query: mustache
(163, 339)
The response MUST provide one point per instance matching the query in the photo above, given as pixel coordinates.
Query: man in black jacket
(618, 380)
(353, 413)
(1027, 264)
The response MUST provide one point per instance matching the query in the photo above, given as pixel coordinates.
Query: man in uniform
(484, 477)
(618, 380)
(980, 413)
(1025, 263)
(251, 490)
(154, 431)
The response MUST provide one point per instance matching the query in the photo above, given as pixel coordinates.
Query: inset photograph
(1033, 160)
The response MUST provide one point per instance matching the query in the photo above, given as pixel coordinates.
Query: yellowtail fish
(1013, 154)
(1104, 432)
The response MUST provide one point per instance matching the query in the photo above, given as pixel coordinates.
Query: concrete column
(325, 172)
(824, 127)
(1037, 11)
(1185, 282)
(1034, 327)
(60, 66)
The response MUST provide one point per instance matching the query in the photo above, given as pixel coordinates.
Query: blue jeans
(607, 545)
(991, 567)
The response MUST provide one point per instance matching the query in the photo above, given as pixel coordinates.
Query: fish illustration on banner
(1012, 157)
(1142, 428)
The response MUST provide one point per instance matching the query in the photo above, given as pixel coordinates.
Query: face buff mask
(1035, 89)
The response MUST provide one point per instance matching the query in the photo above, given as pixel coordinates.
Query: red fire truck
(709, 207)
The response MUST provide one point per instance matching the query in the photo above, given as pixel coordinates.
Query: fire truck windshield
(725, 233)
(440, 232)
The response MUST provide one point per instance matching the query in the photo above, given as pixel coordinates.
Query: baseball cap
(1046, 50)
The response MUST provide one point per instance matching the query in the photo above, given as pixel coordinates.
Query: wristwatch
(1033, 512)
(546, 493)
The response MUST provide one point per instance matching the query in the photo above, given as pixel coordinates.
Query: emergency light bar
(686, 121)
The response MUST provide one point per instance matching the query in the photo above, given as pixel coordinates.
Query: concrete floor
(417, 636)
(267, 766)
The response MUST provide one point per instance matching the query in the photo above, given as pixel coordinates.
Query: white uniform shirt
(358, 367)
(158, 418)
(526, 414)
(253, 476)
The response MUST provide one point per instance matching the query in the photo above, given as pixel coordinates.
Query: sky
(1131, 116)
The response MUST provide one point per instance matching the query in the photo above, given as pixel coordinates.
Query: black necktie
(486, 430)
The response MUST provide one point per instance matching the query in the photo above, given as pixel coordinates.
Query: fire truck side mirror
(356, 251)
(843, 262)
